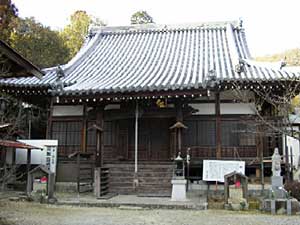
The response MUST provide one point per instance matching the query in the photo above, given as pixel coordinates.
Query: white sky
(271, 26)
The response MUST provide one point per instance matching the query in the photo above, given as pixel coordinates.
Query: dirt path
(35, 214)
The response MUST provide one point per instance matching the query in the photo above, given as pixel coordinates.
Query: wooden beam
(218, 126)
(148, 94)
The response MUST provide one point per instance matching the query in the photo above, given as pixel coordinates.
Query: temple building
(135, 96)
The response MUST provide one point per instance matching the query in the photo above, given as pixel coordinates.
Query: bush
(293, 188)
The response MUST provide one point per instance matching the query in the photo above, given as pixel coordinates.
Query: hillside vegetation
(291, 57)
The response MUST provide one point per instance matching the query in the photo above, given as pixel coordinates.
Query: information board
(214, 170)
(45, 154)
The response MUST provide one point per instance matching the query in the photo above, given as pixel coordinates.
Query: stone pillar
(289, 207)
(97, 180)
(273, 207)
(179, 189)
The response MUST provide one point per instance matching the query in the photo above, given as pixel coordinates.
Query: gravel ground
(24, 213)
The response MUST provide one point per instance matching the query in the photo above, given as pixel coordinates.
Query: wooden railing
(200, 152)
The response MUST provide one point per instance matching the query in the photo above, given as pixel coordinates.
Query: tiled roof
(157, 58)
(21, 66)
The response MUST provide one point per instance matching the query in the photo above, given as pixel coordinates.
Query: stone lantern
(178, 169)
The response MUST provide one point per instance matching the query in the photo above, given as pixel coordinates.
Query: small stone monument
(236, 191)
(279, 200)
(277, 190)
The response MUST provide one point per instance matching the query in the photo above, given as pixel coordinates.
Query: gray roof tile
(156, 58)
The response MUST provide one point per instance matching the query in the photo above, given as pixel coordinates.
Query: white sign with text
(215, 170)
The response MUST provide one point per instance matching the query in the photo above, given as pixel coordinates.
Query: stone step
(140, 163)
(154, 180)
(124, 191)
(141, 171)
(159, 175)
(120, 174)
(157, 180)
(154, 191)
(131, 166)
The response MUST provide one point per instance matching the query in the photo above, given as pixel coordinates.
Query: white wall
(112, 106)
(225, 108)
(67, 110)
(293, 144)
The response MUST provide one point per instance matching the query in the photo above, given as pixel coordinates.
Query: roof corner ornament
(210, 80)
(58, 84)
(240, 67)
(283, 62)
(241, 23)
(92, 31)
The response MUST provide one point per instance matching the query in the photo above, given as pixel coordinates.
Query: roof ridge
(164, 27)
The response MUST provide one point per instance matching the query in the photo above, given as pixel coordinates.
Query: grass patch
(4, 221)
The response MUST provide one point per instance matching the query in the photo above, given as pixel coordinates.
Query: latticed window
(68, 134)
(199, 133)
(108, 134)
(229, 133)
(234, 133)
(237, 133)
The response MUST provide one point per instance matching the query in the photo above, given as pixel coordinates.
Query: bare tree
(271, 102)
(272, 105)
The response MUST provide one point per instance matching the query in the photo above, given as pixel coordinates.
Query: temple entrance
(154, 139)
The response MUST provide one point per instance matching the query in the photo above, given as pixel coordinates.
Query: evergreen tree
(141, 17)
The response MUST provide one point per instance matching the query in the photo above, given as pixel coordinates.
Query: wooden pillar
(179, 118)
(99, 136)
(29, 179)
(179, 137)
(136, 137)
(49, 122)
(226, 190)
(260, 154)
(51, 185)
(218, 126)
(78, 171)
(99, 150)
(4, 150)
(84, 129)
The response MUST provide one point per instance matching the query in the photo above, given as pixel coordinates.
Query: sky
(270, 26)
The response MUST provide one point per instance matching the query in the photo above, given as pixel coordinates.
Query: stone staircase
(154, 179)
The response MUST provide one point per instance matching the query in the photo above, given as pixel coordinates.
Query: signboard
(215, 170)
(45, 154)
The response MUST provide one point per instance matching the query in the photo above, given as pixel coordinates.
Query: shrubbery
(293, 188)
